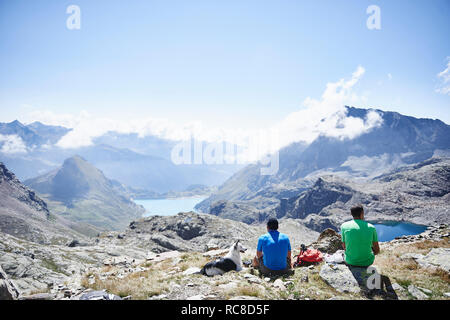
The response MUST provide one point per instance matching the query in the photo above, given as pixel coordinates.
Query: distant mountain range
(35, 134)
(399, 141)
(139, 162)
(69, 181)
(81, 193)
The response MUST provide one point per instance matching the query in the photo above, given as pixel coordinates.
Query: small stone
(174, 286)
(197, 297)
(73, 243)
(252, 278)
(397, 287)
(425, 290)
(416, 293)
(212, 245)
(151, 255)
(228, 286)
(279, 284)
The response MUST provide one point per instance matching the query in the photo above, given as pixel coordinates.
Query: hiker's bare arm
(289, 258)
(255, 262)
(343, 245)
(375, 248)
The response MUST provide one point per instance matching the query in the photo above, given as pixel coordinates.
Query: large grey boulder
(7, 289)
(329, 241)
(348, 279)
(340, 278)
(165, 242)
(438, 258)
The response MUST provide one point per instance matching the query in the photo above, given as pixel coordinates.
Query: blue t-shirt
(275, 246)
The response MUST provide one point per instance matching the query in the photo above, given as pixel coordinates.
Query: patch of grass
(51, 265)
(408, 272)
(445, 276)
(250, 291)
(429, 244)
(37, 291)
(140, 286)
(195, 259)
(403, 282)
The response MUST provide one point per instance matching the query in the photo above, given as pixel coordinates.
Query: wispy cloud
(325, 116)
(328, 115)
(12, 144)
(444, 79)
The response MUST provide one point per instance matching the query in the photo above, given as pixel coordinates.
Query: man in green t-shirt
(359, 239)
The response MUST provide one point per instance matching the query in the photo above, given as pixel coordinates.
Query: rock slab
(7, 289)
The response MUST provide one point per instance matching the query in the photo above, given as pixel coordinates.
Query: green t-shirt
(358, 236)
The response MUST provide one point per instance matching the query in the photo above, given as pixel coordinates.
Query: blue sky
(234, 63)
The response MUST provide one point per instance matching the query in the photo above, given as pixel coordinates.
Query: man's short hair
(272, 224)
(357, 210)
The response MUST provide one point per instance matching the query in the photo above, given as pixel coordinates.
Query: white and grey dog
(231, 261)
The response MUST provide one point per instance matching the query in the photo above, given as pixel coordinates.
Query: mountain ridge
(81, 192)
(400, 140)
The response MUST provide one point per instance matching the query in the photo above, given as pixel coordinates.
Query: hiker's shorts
(265, 271)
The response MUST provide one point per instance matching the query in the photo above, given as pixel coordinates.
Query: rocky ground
(133, 265)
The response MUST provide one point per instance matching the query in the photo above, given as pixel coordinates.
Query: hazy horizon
(216, 70)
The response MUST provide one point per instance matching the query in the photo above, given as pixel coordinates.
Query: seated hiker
(273, 255)
(359, 239)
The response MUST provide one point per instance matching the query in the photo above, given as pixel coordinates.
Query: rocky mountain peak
(16, 189)
(76, 178)
(5, 174)
(81, 190)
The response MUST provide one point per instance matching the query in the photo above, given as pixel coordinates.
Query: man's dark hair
(272, 224)
(357, 210)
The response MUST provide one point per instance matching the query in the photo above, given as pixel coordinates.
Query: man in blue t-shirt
(273, 255)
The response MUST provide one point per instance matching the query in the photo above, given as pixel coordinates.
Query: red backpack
(307, 257)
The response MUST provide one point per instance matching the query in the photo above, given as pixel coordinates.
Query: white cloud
(444, 77)
(326, 116)
(12, 144)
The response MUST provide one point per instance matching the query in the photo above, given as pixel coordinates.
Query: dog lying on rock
(231, 261)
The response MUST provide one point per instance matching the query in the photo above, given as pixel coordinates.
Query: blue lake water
(389, 230)
(168, 207)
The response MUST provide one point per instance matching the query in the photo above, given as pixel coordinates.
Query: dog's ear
(236, 244)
